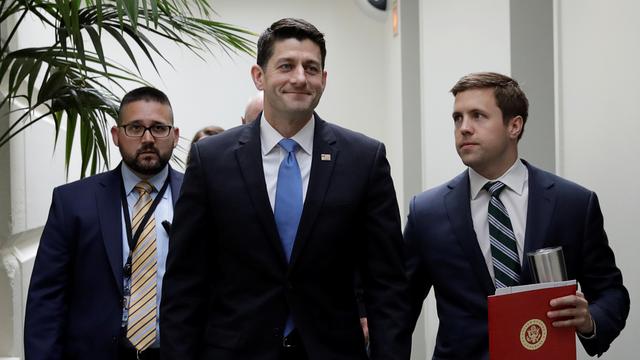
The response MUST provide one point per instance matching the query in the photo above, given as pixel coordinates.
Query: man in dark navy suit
(274, 220)
(465, 238)
(81, 289)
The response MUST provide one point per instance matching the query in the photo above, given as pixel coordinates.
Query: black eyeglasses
(137, 130)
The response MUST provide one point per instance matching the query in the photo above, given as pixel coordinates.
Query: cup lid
(545, 251)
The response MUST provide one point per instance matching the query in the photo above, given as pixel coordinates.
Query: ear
(176, 136)
(257, 75)
(324, 78)
(115, 135)
(514, 127)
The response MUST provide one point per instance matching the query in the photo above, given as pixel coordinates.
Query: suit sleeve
(383, 277)
(182, 310)
(601, 283)
(419, 285)
(47, 304)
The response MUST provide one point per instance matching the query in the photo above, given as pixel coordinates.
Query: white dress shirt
(272, 155)
(515, 198)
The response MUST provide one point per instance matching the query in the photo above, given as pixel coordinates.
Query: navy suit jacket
(228, 286)
(442, 252)
(74, 306)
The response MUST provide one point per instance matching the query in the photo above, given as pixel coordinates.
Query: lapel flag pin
(325, 157)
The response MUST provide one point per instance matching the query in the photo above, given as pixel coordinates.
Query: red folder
(519, 327)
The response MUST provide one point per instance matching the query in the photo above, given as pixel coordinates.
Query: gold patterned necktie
(141, 327)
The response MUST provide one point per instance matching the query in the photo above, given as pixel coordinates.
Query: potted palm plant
(71, 79)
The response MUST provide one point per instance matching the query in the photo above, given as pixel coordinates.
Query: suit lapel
(324, 143)
(175, 181)
(249, 157)
(542, 198)
(110, 217)
(457, 203)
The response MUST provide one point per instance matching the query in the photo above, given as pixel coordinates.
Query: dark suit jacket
(443, 252)
(228, 286)
(74, 306)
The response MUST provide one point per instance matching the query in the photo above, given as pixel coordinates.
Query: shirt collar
(270, 137)
(130, 179)
(515, 179)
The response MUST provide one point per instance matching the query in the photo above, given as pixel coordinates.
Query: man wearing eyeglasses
(97, 279)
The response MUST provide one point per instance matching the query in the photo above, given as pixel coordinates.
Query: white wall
(599, 53)
(30, 170)
(458, 37)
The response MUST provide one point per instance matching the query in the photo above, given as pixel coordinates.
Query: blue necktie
(288, 205)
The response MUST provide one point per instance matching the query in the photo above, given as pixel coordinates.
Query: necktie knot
(289, 145)
(494, 188)
(143, 187)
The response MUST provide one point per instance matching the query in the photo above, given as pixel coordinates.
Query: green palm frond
(71, 83)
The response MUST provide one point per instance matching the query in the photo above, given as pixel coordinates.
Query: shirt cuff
(589, 336)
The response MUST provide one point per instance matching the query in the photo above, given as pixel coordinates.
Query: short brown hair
(510, 99)
(288, 28)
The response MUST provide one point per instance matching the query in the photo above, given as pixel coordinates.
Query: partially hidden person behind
(204, 133)
(253, 109)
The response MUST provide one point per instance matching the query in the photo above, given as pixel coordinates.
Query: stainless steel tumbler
(547, 265)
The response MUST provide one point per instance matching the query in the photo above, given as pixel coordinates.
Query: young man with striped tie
(467, 237)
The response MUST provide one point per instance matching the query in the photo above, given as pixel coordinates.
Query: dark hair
(145, 93)
(286, 29)
(206, 131)
(509, 97)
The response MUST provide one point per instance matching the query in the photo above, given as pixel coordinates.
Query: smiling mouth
(297, 92)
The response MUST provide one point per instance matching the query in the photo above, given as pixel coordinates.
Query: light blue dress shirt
(164, 211)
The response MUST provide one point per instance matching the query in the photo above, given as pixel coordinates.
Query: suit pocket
(223, 338)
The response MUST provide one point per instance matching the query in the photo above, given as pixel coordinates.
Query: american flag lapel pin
(325, 157)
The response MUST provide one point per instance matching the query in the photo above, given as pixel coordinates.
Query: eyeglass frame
(147, 128)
